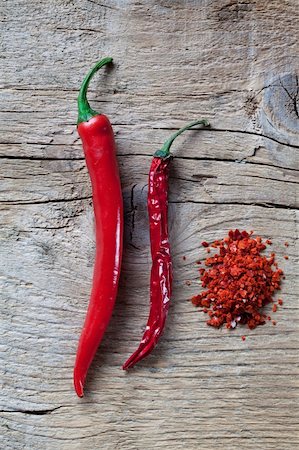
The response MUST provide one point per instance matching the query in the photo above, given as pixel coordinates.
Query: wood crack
(103, 5)
(35, 412)
(292, 98)
(41, 144)
(146, 155)
(272, 179)
(47, 228)
(261, 205)
(200, 179)
(79, 29)
(42, 158)
(41, 202)
(228, 130)
(203, 178)
(238, 161)
(254, 133)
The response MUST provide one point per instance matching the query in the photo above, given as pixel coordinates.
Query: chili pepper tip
(78, 387)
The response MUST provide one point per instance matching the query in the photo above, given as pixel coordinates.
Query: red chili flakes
(268, 242)
(274, 308)
(184, 258)
(280, 302)
(238, 281)
(286, 257)
(216, 244)
(205, 244)
(243, 338)
(274, 322)
(286, 244)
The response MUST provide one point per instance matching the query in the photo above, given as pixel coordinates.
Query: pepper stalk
(164, 151)
(85, 112)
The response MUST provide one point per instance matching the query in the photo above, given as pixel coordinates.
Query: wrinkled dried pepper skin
(99, 149)
(161, 272)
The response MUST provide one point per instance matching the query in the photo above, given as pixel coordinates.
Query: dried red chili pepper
(161, 272)
(239, 281)
(98, 143)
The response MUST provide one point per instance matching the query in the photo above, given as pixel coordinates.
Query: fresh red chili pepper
(99, 148)
(161, 272)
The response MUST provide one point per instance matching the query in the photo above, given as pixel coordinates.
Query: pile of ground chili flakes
(239, 281)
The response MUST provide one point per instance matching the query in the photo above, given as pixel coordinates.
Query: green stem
(164, 152)
(85, 112)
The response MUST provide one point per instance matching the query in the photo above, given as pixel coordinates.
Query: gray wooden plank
(234, 63)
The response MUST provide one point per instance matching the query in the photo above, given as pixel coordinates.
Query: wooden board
(233, 62)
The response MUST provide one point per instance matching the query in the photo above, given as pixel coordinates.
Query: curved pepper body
(99, 149)
(161, 272)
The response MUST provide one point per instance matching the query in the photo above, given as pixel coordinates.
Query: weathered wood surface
(233, 62)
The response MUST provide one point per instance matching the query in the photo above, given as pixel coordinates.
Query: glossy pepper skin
(99, 148)
(161, 271)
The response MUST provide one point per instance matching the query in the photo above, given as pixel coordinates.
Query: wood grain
(233, 62)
